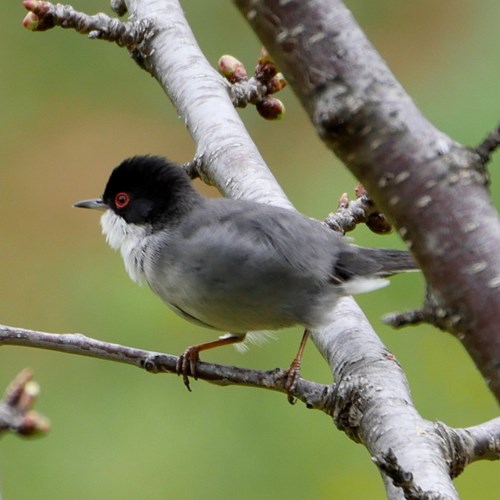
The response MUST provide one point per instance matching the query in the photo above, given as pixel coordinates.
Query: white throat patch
(130, 239)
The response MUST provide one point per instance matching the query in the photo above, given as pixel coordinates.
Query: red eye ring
(122, 200)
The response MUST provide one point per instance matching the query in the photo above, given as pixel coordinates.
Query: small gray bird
(232, 265)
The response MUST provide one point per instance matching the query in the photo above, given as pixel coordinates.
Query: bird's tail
(363, 269)
(390, 261)
(360, 262)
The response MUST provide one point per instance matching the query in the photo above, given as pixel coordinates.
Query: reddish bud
(378, 224)
(232, 69)
(265, 69)
(264, 57)
(32, 424)
(265, 72)
(40, 18)
(31, 21)
(38, 6)
(271, 108)
(16, 388)
(343, 201)
(30, 393)
(276, 83)
(360, 190)
(30, 4)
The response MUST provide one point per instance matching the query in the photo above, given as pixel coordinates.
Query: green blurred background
(71, 110)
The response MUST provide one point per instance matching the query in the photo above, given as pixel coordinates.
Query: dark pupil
(121, 199)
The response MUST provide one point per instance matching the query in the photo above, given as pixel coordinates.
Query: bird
(236, 266)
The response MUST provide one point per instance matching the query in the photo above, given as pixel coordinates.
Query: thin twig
(362, 210)
(45, 15)
(489, 145)
(432, 312)
(314, 395)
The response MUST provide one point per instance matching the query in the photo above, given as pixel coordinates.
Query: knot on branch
(455, 444)
(348, 405)
(256, 90)
(159, 363)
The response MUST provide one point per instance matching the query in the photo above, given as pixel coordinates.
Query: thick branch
(432, 188)
(380, 415)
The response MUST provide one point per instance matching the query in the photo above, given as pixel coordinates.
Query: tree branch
(314, 395)
(181, 81)
(378, 414)
(45, 15)
(433, 189)
(431, 312)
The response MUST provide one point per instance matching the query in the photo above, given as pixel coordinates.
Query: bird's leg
(293, 373)
(186, 364)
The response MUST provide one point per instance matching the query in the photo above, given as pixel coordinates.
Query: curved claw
(291, 376)
(186, 365)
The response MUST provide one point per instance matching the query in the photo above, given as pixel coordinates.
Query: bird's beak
(95, 203)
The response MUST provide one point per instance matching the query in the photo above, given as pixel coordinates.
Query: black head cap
(149, 189)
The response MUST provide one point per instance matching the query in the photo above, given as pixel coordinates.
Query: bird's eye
(122, 200)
